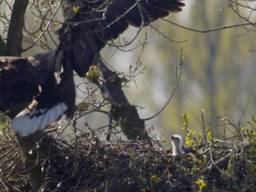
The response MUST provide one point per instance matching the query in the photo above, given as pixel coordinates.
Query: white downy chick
(177, 144)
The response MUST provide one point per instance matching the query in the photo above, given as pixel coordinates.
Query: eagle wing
(30, 93)
(92, 23)
(109, 18)
(119, 14)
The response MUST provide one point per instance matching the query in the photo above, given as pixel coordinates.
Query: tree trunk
(16, 25)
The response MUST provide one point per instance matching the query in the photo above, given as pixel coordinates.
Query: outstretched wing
(31, 94)
(92, 23)
(109, 18)
(119, 14)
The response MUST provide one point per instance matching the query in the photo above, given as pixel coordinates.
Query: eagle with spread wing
(39, 89)
(96, 22)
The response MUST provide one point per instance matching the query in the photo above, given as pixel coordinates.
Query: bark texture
(14, 38)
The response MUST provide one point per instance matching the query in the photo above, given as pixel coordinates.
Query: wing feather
(86, 32)
(137, 14)
(110, 18)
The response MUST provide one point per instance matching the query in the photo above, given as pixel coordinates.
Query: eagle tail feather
(29, 123)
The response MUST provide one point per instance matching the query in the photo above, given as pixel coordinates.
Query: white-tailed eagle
(39, 89)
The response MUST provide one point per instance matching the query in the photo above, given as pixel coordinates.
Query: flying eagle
(95, 23)
(39, 89)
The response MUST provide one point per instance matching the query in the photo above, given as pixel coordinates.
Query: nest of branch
(91, 165)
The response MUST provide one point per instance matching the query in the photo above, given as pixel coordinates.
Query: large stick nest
(89, 164)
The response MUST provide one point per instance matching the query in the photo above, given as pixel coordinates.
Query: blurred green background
(218, 71)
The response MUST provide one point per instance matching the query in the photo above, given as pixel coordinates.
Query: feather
(43, 77)
(87, 31)
(28, 123)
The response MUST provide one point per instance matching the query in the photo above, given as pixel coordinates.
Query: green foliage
(76, 9)
(226, 164)
(201, 184)
(93, 73)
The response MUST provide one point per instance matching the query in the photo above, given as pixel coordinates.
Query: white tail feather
(27, 124)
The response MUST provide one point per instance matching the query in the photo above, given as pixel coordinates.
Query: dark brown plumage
(81, 38)
(23, 80)
(86, 32)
